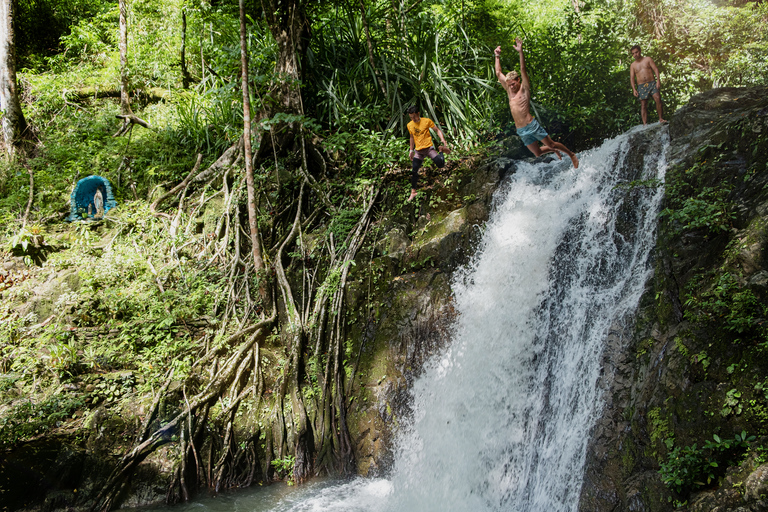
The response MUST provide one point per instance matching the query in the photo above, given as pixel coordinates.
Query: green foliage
(579, 68)
(426, 58)
(660, 431)
(25, 236)
(27, 419)
(284, 466)
(342, 224)
(39, 25)
(732, 404)
(698, 197)
(709, 209)
(90, 40)
(114, 387)
(724, 300)
(699, 45)
(689, 468)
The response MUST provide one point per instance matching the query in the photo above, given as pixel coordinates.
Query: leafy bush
(689, 468)
(284, 466)
(709, 209)
(27, 419)
(728, 303)
(39, 25)
(342, 223)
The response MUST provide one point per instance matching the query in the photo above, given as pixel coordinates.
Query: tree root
(146, 444)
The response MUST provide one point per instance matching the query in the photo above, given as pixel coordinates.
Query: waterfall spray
(502, 418)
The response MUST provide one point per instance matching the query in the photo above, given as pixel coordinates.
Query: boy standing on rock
(646, 74)
(421, 145)
(518, 89)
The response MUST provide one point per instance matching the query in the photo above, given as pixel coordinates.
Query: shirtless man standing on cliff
(518, 89)
(646, 74)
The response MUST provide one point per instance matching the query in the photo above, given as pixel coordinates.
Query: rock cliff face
(684, 384)
(413, 314)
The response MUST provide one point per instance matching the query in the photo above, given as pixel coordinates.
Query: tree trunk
(370, 49)
(126, 114)
(186, 79)
(14, 125)
(288, 23)
(258, 261)
(125, 100)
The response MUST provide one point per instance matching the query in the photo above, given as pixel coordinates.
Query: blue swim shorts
(532, 132)
(647, 89)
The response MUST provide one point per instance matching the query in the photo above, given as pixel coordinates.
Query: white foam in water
(502, 417)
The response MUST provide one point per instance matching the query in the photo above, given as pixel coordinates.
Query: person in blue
(518, 89)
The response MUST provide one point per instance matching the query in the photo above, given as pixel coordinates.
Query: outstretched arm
(523, 73)
(440, 134)
(497, 67)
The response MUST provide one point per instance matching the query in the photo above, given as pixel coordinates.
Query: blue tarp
(82, 197)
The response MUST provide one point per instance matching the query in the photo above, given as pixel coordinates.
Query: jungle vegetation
(257, 242)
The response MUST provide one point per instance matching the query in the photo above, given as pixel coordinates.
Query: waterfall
(502, 417)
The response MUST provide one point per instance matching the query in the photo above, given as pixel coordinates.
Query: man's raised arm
(497, 67)
(523, 73)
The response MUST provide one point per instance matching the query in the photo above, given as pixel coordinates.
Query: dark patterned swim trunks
(647, 89)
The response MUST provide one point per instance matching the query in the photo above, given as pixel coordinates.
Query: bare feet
(574, 160)
(413, 194)
(662, 121)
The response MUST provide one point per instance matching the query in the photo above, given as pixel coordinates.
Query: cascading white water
(502, 417)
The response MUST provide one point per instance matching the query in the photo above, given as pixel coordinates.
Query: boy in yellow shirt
(421, 145)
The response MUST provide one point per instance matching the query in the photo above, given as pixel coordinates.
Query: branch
(128, 121)
(225, 160)
(415, 4)
(152, 95)
(180, 186)
(31, 197)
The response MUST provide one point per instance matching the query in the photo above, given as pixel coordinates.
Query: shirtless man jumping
(646, 74)
(518, 89)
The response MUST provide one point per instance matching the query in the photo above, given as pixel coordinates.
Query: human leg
(644, 111)
(415, 177)
(531, 134)
(555, 146)
(657, 99)
(437, 158)
(535, 149)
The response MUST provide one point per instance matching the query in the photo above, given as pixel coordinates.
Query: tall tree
(185, 76)
(290, 27)
(13, 123)
(126, 114)
(258, 260)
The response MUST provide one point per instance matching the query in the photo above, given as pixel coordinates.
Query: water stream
(502, 417)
